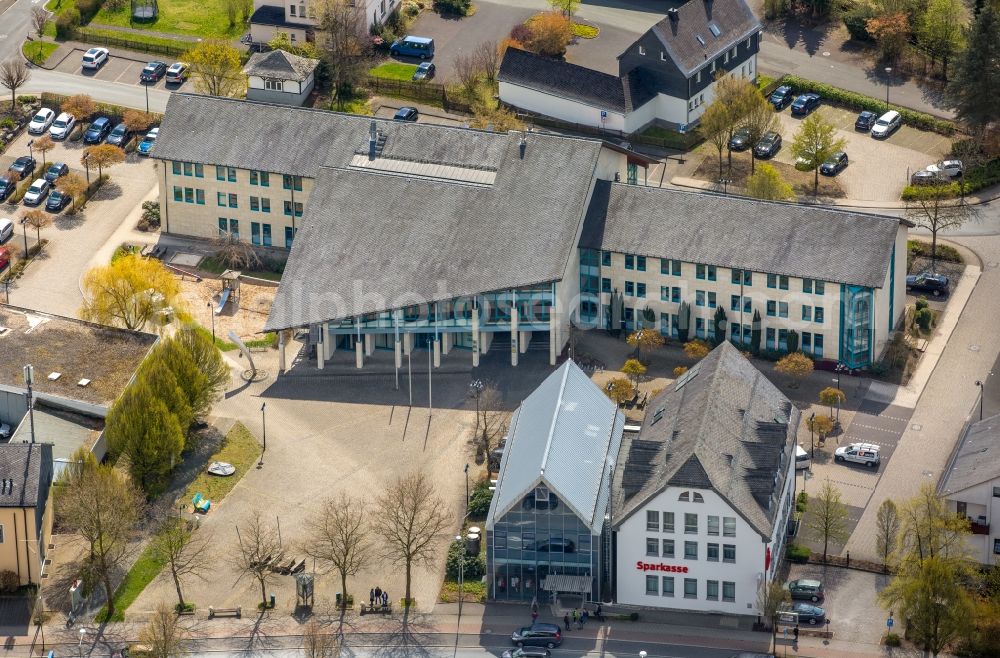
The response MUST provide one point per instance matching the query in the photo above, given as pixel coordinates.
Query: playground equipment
(230, 289)
(144, 11)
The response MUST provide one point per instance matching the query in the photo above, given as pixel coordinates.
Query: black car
(809, 614)
(97, 130)
(406, 114)
(56, 170)
(537, 635)
(153, 72)
(119, 136)
(57, 201)
(7, 186)
(781, 97)
(833, 165)
(805, 104)
(935, 284)
(865, 121)
(425, 71)
(23, 167)
(768, 145)
(740, 140)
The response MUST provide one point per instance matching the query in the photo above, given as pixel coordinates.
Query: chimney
(523, 146)
(372, 140)
(672, 14)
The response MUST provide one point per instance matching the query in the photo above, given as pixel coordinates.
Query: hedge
(859, 102)
(917, 249)
(978, 178)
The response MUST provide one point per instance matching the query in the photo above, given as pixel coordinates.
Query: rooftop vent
(657, 415)
(700, 40)
(673, 15)
(523, 146)
(54, 376)
(83, 382)
(7, 486)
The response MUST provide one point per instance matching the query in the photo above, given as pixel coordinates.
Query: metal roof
(564, 436)
(976, 459)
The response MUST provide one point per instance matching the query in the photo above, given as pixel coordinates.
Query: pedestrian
(566, 622)
(795, 634)
(385, 598)
(598, 614)
(534, 616)
(371, 597)
(583, 617)
(378, 593)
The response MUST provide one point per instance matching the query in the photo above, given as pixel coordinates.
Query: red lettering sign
(668, 568)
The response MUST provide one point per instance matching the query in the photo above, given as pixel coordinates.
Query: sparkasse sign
(669, 568)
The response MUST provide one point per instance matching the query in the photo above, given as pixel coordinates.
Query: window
(705, 272)
(668, 548)
(640, 290)
(712, 590)
(996, 542)
(818, 315)
(819, 287)
(199, 197)
(265, 204)
(747, 277)
(231, 174)
(289, 236)
(776, 281)
(640, 263)
(273, 84)
(782, 309)
(670, 267)
(288, 209)
(220, 172)
(176, 168)
(807, 285)
(664, 293)
(188, 195)
(729, 552)
(178, 193)
(652, 520)
(713, 525)
(261, 178)
(713, 553)
(729, 526)
(734, 302)
(690, 524)
(233, 201)
(697, 78)
(685, 497)
(690, 550)
(291, 182)
(711, 300)
(220, 198)
(699, 327)
(807, 313)
(267, 234)
(629, 289)
(699, 297)
(254, 204)
(818, 346)
(642, 50)
(199, 170)
(772, 308)
(652, 546)
(690, 588)
(668, 522)
(668, 586)
(292, 9)
(652, 585)
(188, 169)
(728, 591)
(255, 233)
(996, 492)
(807, 342)
(1, 534)
(606, 259)
(605, 284)
(629, 262)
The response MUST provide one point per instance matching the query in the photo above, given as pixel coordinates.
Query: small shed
(280, 77)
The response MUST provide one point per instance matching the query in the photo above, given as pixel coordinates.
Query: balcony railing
(979, 528)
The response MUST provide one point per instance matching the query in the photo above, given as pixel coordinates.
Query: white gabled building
(704, 491)
(970, 487)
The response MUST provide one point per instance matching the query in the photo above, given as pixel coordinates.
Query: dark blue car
(865, 121)
(809, 614)
(781, 97)
(805, 104)
(97, 131)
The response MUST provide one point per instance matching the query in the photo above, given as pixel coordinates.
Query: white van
(886, 124)
(802, 459)
(6, 230)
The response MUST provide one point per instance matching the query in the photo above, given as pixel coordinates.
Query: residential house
(299, 21)
(280, 77)
(970, 487)
(25, 509)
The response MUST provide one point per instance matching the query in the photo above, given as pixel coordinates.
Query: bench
(230, 612)
(376, 609)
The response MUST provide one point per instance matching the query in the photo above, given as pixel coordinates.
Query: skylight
(700, 40)
(714, 29)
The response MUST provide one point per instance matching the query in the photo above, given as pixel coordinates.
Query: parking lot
(119, 68)
(850, 602)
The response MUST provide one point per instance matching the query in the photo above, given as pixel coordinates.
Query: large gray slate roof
(564, 436)
(725, 428)
(728, 231)
(976, 459)
(733, 18)
(552, 76)
(23, 466)
(281, 65)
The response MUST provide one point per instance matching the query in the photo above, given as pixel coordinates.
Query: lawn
(141, 574)
(198, 18)
(241, 449)
(38, 51)
(175, 45)
(215, 265)
(394, 71)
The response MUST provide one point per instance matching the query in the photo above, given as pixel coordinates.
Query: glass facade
(538, 537)
(856, 307)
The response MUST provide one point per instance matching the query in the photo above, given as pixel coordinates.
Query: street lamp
(24, 231)
(812, 440)
(461, 584)
(888, 72)
(466, 487)
(86, 164)
(211, 314)
(79, 647)
(982, 394)
(29, 379)
(147, 97)
(263, 422)
(31, 154)
(841, 368)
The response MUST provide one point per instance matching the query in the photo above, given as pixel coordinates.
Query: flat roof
(65, 430)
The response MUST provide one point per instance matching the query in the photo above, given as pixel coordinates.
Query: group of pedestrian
(577, 618)
(378, 596)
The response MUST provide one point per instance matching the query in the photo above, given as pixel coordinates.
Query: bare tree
(317, 643)
(410, 519)
(492, 421)
(935, 211)
(163, 634)
(344, 44)
(102, 506)
(468, 72)
(338, 537)
(886, 530)
(13, 74)
(770, 598)
(488, 54)
(38, 219)
(235, 253)
(827, 517)
(183, 553)
(40, 20)
(257, 547)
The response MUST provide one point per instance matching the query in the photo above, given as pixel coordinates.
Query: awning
(564, 583)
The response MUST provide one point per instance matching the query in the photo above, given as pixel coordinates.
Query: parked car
(95, 58)
(425, 71)
(62, 126)
(809, 614)
(805, 104)
(57, 201)
(6, 229)
(41, 121)
(833, 165)
(949, 168)
(887, 124)
(147, 143)
(421, 47)
(526, 652)
(119, 136)
(177, 73)
(768, 145)
(56, 170)
(865, 121)
(537, 635)
(7, 187)
(97, 130)
(781, 97)
(4, 262)
(23, 167)
(740, 141)
(406, 114)
(858, 453)
(935, 284)
(809, 590)
(927, 177)
(37, 192)
(153, 72)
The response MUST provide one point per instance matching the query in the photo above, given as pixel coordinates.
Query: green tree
(129, 292)
(620, 390)
(634, 370)
(827, 517)
(217, 69)
(792, 342)
(683, 321)
(766, 183)
(975, 87)
(565, 6)
(647, 339)
(737, 95)
(759, 118)
(830, 396)
(886, 530)
(140, 427)
(816, 141)
(190, 378)
(940, 31)
(720, 324)
(755, 333)
(158, 376)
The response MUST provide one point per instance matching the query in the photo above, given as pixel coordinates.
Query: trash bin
(272, 600)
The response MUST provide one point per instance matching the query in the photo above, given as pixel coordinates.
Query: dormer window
(642, 50)
(663, 56)
(697, 78)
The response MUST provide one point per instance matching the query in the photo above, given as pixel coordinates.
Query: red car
(4, 258)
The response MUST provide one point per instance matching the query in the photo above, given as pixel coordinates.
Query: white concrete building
(280, 77)
(298, 19)
(970, 487)
(704, 492)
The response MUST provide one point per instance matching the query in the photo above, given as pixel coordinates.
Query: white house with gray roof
(704, 492)
(280, 77)
(546, 532)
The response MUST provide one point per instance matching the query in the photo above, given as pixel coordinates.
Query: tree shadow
(109, 190)
(66, 222)
(801, 31)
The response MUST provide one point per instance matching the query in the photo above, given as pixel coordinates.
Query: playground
(247, 303)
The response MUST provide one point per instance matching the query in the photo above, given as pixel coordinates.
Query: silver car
(949, 168)
(37, 192)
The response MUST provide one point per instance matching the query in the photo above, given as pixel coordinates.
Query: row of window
(654, 517)
(260, 234)
(780, 310)
(656, 547)
(257, 204)
(258, 178)
(664, 586)
(188, 169)
(189, 195)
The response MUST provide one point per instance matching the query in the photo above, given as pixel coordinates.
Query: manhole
(973, 348)
(916, 427)
(826, 53)
(929, 474)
